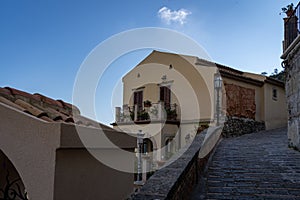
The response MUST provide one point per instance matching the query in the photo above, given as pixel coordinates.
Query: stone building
(291, 63)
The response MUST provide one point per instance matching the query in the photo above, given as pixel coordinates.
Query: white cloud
(176, 16)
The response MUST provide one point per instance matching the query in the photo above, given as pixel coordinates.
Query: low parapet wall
(177, 180)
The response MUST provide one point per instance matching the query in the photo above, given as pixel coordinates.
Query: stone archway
(11, 184)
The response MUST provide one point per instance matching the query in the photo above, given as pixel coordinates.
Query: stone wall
(292, 67)
(177, 180)
(235, 126)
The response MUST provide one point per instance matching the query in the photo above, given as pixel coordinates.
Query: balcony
(147, 112)
(291, 25)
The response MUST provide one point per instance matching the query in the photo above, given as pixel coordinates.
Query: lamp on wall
(218, 87)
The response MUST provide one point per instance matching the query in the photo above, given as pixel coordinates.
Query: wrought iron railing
(291, 27)
(153, 111)
(12, 189)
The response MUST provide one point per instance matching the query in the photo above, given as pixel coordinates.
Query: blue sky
(43, 43)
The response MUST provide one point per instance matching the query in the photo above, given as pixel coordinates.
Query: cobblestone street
(253, 166)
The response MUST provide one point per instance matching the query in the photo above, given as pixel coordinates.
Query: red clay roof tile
(70, 119)
(45, 108)
(17, 93)
(33, 110)
(5, 91)
(46, 118)
(8, 102)
(48, 100)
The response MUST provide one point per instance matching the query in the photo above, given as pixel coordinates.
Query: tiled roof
(46, 108)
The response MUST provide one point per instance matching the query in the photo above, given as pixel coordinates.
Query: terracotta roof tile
(70, 119)
(5, 91)
(48, 100)
(33, 110)
(21, 94)
(54, 114)
(10, 103)
(45, 108)
(47, 119)
(70, 107)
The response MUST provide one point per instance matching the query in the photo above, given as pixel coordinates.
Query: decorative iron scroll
(12, 190)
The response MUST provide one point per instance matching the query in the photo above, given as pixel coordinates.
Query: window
(165, 95)
(138, 99)
(274, 94)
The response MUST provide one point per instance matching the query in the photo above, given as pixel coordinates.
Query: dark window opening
(165, 96)
(138, 100)
(274, 94)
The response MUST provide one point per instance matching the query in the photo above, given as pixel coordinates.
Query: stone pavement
(253, 166)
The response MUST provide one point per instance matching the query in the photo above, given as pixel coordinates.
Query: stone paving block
(253, 166)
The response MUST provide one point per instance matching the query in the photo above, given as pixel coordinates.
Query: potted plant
(143, 115)
(288, 10)
(147, 103)
(171, 114)
(132, 115)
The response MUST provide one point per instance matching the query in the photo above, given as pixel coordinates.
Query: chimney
(290, 30)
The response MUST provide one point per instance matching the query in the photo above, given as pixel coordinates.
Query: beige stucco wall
(30, 145)
(80, 176)
(275, 109)
(51, 159)
(185, 79)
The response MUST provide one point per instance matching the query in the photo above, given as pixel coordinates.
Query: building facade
(171, 97)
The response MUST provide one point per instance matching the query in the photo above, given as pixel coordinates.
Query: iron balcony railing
(291, 27)
(154, 111)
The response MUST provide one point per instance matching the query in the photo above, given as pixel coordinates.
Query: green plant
(147, 103)
(288, 10)
(132, 115)
(143, 115)
(171, 114)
